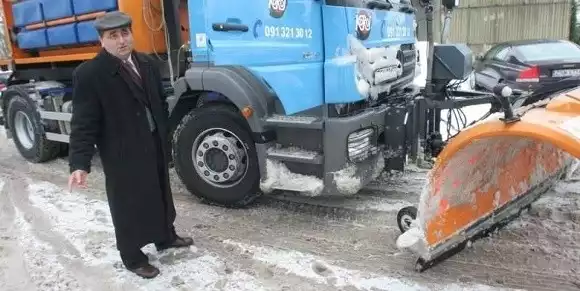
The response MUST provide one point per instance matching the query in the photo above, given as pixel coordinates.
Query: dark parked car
(525, 65)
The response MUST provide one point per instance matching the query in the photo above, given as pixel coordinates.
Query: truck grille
(408, 59)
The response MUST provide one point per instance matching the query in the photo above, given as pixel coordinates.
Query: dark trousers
(133, 258)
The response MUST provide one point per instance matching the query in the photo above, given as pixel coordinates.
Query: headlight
(360, 144)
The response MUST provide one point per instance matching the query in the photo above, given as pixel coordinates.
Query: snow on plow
(489, 173)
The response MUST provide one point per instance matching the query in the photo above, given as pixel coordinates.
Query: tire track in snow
(367, 248)
(43, 263)
(13, 271)
(32, 263)
(316, 269)
(54, 246)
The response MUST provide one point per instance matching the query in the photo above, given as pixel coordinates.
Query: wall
(4, 45)
(482, 23)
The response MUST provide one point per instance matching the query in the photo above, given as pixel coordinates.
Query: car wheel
(472, 81)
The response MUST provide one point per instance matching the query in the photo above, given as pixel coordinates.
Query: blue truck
(312, 96)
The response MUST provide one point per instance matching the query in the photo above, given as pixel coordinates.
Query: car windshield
(549, 51)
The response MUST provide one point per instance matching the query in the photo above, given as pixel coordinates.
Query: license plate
(389, 73)
(566, 73)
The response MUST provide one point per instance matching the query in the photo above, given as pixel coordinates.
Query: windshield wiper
(407, 7)
(376, 4)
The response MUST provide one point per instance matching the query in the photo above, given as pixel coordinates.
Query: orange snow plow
(488, 173)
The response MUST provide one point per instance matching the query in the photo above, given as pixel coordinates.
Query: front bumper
(347, 172)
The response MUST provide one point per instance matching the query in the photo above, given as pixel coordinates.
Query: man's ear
(101, 38)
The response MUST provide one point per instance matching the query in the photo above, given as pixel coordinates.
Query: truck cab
(264, 95)
(318, 79)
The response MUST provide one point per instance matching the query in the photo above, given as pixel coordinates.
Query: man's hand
(78, 178)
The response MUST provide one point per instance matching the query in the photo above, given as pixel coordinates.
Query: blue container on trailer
(62, 34)
(27, 12)
(88, 6)
(56, 9)
(32, 39)
(87, 32)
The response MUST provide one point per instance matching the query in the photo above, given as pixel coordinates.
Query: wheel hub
(220, 159)
(24, 130)
(407, 221)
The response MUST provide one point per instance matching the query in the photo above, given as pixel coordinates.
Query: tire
(403, 216)
(192, 132)
(472, 82)
(28, 132)
(474, 86)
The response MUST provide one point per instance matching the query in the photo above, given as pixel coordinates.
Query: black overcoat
(109, 112)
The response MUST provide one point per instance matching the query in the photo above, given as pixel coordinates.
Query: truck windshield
(370, 4)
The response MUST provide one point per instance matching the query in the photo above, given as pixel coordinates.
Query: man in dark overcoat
(119, 106)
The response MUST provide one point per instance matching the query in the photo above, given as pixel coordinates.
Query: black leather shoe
(146, 271)
(179, 242)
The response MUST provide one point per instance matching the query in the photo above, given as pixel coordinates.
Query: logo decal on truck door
(277, 7)
(363, 24)
(396, 27)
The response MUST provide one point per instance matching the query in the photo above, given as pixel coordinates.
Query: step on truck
(310, 96)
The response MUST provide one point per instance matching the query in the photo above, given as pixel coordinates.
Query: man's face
(118, 42)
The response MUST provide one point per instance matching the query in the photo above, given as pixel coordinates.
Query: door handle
(225, 26)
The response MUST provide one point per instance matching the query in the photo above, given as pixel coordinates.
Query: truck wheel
(215, 156)
(28, 132)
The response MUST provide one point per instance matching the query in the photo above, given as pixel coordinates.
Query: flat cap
(112, 20)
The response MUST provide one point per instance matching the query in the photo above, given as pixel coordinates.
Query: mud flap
(489, 172)
(395, 138)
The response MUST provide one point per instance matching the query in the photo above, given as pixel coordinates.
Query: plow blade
(489, 173)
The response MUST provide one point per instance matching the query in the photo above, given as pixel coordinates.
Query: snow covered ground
(54, 240)
(51, 239)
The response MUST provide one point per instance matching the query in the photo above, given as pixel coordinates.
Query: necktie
(133, 71)
(132, 67)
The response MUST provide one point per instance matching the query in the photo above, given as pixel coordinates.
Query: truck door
(279, 40)
(369, 48)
